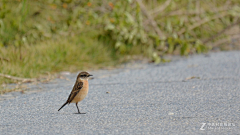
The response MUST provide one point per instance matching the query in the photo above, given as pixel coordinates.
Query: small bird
(79, 91)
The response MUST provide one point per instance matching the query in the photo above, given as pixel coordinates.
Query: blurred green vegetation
(55, 35)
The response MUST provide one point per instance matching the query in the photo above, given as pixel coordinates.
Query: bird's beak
(90, 75)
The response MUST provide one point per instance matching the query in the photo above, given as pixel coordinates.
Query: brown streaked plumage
(79, 91)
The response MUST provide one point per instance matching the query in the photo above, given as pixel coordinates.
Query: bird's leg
(77, 108)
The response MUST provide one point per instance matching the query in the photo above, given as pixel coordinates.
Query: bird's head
(83, 75)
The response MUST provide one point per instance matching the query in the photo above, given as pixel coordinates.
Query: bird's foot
(79, 113)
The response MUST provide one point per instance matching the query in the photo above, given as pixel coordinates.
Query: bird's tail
(62, 106)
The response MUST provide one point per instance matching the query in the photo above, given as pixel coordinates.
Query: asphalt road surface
(195, 95)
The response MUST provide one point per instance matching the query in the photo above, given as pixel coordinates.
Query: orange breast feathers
(82, 93)
(85, 84)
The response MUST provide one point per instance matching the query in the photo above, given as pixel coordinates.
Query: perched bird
(79, 91)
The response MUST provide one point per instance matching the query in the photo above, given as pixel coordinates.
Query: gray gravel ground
(154, 99)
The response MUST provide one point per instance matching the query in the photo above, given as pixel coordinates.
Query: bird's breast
(82, 93)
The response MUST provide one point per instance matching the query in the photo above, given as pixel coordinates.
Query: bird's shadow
(79, 113)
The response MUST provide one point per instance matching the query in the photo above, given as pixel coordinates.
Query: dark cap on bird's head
(84, 75)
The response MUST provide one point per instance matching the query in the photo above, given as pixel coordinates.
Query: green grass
(68, 54)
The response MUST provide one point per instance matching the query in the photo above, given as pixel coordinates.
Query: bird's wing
(77, 87)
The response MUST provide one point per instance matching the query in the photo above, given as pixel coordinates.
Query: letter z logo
(202, 127)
